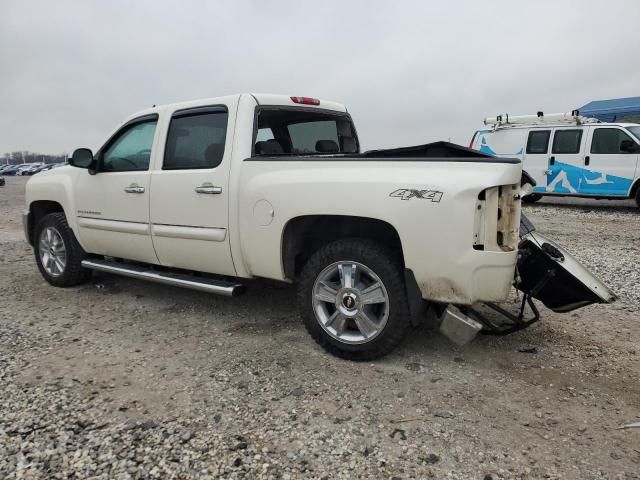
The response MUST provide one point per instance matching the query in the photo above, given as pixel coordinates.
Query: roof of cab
(260, 98)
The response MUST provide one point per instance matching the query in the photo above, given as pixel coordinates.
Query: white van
(568, 155)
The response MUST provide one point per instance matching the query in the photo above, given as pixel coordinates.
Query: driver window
(131, 150)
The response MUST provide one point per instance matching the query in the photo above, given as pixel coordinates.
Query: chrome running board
(203, 284)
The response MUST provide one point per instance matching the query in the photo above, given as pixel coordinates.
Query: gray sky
(410, 72)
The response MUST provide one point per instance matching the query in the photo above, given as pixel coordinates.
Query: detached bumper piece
(458, 327)
(550, 274)
(509, 322)
(545, 272)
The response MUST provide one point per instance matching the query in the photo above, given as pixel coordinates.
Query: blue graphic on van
(566, 178)
(485, 148)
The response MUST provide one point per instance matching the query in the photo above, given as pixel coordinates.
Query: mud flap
(550, 274)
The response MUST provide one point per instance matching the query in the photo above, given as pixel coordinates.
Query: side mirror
(81, 158)
(629, 146)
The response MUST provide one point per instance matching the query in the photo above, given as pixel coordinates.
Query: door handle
(586, 160)
(134, 188)
(209, 190)
(552, 161)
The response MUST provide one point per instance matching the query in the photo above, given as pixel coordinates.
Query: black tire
(638, 197)
(73, 273)
(531, 198)
(387, 266)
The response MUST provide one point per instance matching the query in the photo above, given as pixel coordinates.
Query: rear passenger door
(565, 163)
(189, 209)
(609, 165)
(536, 159)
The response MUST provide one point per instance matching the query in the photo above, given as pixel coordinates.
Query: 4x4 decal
(409, 193)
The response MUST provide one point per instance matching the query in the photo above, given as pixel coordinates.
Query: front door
(564, 173)
(610, 164)
(536, 157)
(190, 195)
(113, 205)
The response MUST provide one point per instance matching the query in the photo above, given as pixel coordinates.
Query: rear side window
(567, 141)
(304, 132)
(196, 141)
(538, 141)
(608, 141)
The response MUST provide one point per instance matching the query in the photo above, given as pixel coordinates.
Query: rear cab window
(294, 131)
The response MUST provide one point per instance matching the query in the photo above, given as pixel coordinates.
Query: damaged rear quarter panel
(436, 236)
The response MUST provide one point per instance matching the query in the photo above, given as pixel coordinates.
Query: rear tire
(58, 254)
(638, 197)
(531, 198)
(353, 299)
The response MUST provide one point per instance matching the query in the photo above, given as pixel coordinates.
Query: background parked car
(22, 168)
(29, 168)
(11, 170)
(35, 169)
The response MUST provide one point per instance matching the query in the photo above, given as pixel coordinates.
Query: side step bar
(219, 287)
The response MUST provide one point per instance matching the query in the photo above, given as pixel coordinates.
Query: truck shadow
(269, 310)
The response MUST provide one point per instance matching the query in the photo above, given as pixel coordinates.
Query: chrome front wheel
(52, 251)
(350, 302)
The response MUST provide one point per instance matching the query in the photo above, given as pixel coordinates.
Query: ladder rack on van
(504, 121)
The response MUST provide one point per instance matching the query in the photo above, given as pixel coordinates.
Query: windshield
(635, 131)
(304, 132)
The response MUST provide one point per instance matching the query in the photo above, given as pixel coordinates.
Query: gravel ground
(124, 379)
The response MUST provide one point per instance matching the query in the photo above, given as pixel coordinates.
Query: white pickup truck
(203, 194)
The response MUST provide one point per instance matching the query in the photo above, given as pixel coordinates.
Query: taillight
(305, 100)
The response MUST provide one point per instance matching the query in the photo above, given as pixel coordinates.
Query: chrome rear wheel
(353, 298)
(350, 302)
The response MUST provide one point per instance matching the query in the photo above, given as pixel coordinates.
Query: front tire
(353, 299)
(638, 198)
(58, 254)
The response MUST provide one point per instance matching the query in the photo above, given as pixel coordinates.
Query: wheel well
(39, 209)
(634, 189)
(305, 235)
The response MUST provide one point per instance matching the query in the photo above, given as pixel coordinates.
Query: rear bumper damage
(545, 272)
